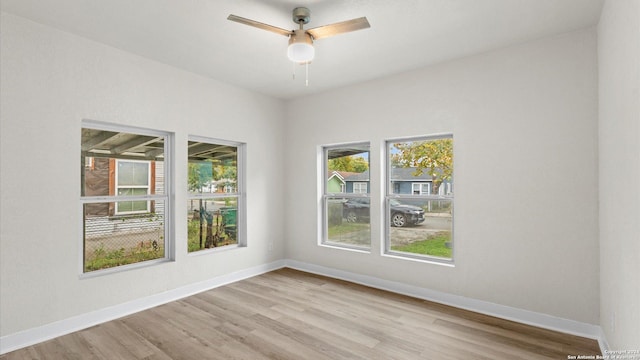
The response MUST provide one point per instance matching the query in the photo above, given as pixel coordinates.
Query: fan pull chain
(306, 71)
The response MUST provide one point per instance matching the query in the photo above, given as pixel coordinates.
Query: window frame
(389, 195)
(323, 219)
(164, 196)
(239, 194)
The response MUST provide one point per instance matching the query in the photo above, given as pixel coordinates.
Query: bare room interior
(315, 179)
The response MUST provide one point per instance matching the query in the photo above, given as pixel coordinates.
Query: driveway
(431, 226)
(401, 236)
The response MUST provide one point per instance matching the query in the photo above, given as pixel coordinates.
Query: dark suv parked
(357, 209)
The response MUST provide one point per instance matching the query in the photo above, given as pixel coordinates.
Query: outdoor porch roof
(122, 145)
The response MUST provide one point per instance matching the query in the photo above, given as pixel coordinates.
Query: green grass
(193, 229)
(193, 236)
(433, 246)
(103, 259)
(345, 228)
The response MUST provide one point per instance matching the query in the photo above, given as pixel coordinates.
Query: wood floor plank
(356, 345)
(289, 314)
(170, 340)
(114, 340)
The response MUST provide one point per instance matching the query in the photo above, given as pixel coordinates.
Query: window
(88, 163)
(123, 196)
(215, 209)
(360, 188)
(133, 178)
(421, 188)
(345, 196)
(419, 198)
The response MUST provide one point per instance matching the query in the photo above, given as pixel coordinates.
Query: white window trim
(169, 209)
(239, 194)
(324, 195)
(386, 248)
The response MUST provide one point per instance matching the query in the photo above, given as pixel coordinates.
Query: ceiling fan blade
(259, 25)
(339, 28)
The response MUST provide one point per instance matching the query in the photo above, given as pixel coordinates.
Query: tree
(200, 173)
(350, 163)
(204, 173)
(435, 157)
(225, 170)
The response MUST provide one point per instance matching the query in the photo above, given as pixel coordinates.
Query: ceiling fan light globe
(300, 48)
(301, 52)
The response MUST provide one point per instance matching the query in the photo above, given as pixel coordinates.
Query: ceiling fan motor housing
(300, 48)
(300, 36)
(301, 15)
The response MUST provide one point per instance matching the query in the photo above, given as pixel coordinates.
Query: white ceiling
(405, 34)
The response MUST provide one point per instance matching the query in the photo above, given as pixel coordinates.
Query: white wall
(524, 121)
(619, 136)
(526, 133)
(51, 81)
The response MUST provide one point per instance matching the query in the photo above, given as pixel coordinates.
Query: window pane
(132, 191)
(133, 173)
(112, 159)
(360, 188)
(111, 241)
(419, 214)
(132, 206)
(212, 222)
(348, 169)
(421, 167)
(348, 221)
(213, 168)
(121, 165)
(100, 179)
(420, 226)
(125, 173)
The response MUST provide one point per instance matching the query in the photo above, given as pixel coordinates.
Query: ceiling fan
(300, 48)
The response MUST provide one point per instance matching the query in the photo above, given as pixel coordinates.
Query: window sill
(433, 261)
(361, 250)
(215, 250)
(117, 269)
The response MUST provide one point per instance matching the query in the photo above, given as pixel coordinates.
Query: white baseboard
(602, 342)
(42, 333)
(501, 311)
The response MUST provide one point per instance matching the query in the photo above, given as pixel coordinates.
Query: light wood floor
(288, 314)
